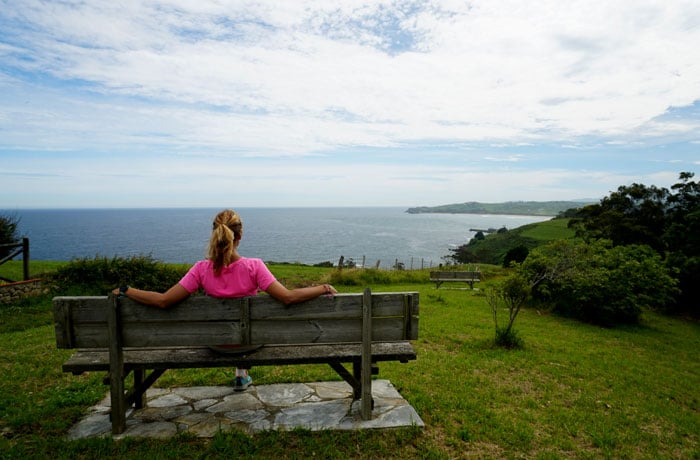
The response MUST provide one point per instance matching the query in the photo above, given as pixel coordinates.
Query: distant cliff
(524, 208)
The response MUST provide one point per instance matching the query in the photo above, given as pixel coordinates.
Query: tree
(514, 293)
(635, 214)
(8, 233)
(682, 238)
(667, 221)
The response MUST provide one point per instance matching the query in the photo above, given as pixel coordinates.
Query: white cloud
(318, 80)
(494, 70)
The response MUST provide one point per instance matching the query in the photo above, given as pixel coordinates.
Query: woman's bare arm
(175, 294)
(292, 296)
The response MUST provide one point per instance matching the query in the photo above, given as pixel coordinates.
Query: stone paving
(203, 411)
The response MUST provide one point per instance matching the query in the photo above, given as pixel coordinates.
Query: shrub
(100, 275)
(598, 283)
(8, 233)
(516, 255)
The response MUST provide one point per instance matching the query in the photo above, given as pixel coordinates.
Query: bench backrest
(455, 275)
(83, 322)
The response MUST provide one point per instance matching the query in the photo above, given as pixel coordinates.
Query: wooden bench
(439, 277)
(120, 336)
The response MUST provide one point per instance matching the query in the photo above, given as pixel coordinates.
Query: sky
(197, 103)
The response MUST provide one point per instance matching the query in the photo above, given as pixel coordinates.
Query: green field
(554, 229)
(573, 391)
(14, 269)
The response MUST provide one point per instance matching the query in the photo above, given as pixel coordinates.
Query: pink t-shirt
(242, 278)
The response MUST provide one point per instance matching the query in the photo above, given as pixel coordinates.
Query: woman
(225, 273)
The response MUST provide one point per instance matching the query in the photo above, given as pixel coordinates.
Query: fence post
(25, 257)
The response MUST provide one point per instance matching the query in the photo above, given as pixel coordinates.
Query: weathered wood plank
(202, 308)
(116, 370)
(203, 357)
(366, 362)
(83, 310)
(261, 332)
(81, 324)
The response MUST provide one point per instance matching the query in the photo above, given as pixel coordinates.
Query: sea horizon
(307, 235)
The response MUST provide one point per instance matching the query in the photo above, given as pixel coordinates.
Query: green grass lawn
(14, 268)
(550, 230)
(573, 391)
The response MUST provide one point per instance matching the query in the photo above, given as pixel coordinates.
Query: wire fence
(7, 253)
(409, 263)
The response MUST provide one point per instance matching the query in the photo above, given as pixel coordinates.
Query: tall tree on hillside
(683, 239)
(667, 221)
(635, 214)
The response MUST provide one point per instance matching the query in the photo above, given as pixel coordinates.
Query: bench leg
(355, 379)
(117, 400)
(366, 364)
(351, 379)
(357, 372)
(139, 396)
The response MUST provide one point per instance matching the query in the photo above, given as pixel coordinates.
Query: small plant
(514, 291)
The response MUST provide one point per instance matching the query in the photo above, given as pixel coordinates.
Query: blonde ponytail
(226, 230)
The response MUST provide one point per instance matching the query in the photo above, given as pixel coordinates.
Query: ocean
(295, 235)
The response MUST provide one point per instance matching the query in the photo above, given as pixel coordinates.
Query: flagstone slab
(205, 410)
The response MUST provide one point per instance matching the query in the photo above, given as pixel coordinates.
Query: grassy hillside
(550, 230)
(493, 248)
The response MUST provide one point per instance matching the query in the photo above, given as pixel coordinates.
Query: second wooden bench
(471, 277)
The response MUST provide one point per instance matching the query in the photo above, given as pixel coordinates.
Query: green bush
(371, 276)
(598, 283)
(8, 233)
(516, 255)
(100, 275)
